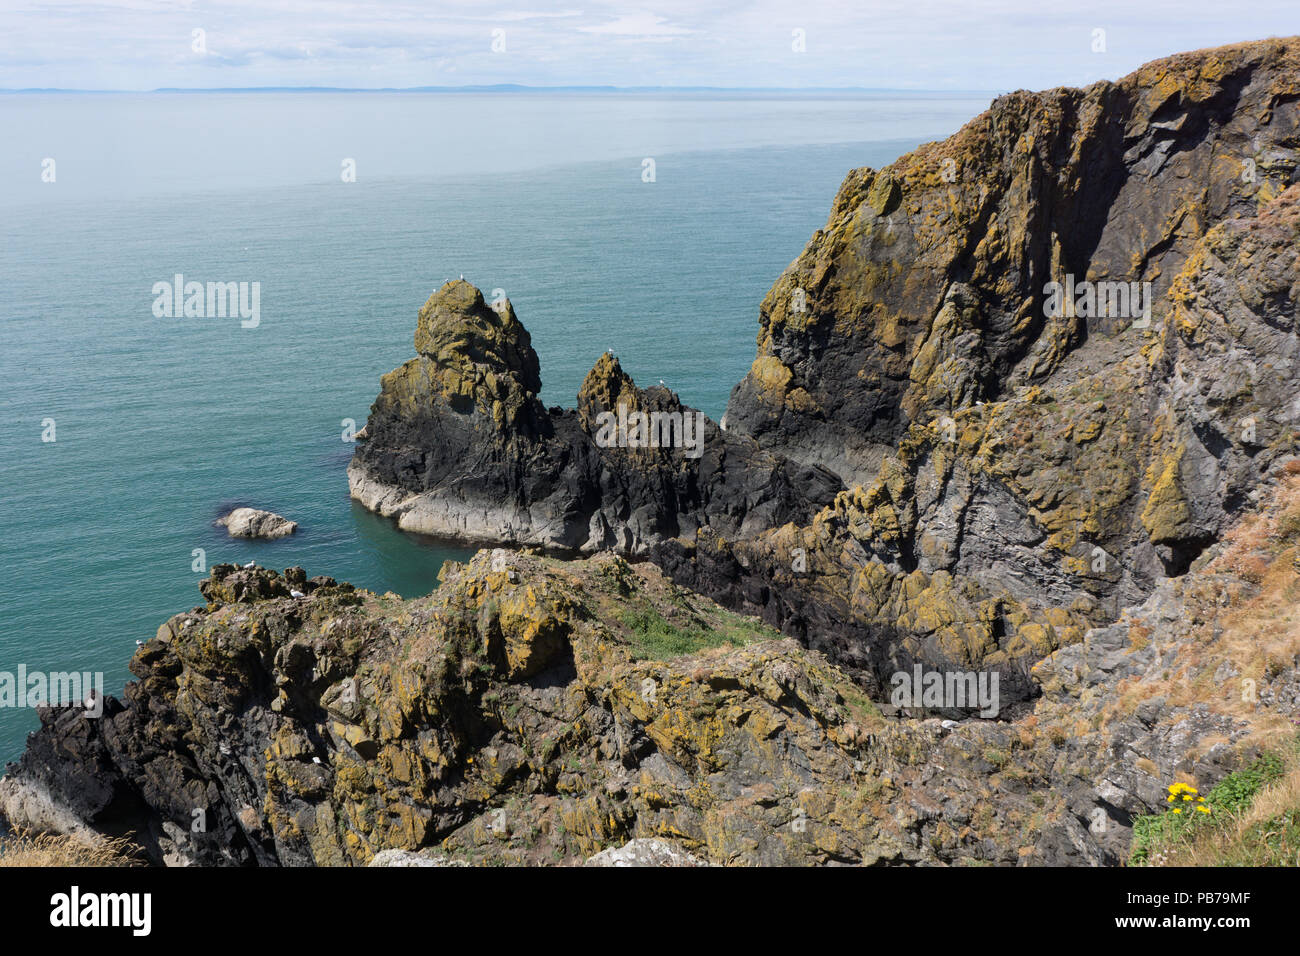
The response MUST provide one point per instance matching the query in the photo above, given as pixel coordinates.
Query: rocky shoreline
(930, 468)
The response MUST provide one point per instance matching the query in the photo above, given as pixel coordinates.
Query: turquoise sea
(161, 424)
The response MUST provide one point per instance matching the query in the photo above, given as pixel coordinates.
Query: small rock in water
(252, 523)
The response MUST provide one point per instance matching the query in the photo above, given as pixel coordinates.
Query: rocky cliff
(537, 711)
(459, 445)
(1025, 408)
(1051, 356)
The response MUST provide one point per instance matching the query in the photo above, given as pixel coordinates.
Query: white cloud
(947, 44)
(637, 25)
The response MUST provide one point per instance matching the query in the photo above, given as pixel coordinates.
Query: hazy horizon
(933, 45)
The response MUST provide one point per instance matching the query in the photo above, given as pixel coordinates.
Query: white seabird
(296, 594)
(250, 564)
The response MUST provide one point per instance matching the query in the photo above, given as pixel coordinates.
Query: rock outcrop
(534, 711)
(1021, 469)
(459, 445)
(254, 523)
(1030, 372)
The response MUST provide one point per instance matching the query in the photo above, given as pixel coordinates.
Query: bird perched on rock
(296, 594)
(250, 564)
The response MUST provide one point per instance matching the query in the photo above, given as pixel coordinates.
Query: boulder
(254, 523)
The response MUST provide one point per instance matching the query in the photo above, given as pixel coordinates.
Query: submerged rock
(253, 523)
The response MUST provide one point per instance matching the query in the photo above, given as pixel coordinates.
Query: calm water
(163, 423)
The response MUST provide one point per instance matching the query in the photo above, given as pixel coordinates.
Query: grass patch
(1253, 820)
(653, 637)
(25, 848)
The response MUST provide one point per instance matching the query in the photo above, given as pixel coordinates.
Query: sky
(877, 44)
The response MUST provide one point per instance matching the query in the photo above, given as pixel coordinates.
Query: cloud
(637, 26)
(919, 44)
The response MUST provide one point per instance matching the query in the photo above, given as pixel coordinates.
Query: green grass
(1228, 800)
(1274, 842)
(655, 638)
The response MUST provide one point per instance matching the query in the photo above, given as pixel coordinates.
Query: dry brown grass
(1246, 604)
(25, 848)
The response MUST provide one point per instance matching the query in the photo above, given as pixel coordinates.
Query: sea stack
(459, 445)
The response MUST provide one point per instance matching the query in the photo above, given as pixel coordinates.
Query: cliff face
(923, 294)
(997, 399)
(1041, 514)
(1021, 470)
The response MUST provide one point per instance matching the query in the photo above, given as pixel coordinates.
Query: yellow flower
(1186, 797)
(1204, 809)
(1178, 809)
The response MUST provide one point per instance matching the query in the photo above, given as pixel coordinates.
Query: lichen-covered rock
(1015, 476)
(648, 727)
(458, 444)
(994, 537)
(1021, 377)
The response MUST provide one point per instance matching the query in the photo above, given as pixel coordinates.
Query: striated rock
(993, 539)
(253, 523)
(924, 293)
(1015, 476)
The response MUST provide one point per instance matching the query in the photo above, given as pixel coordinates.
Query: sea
(648, 223)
